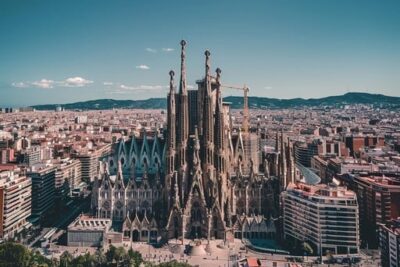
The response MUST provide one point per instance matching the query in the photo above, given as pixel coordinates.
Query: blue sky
(64, 51)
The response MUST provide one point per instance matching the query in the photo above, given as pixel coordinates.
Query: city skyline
(67, 52)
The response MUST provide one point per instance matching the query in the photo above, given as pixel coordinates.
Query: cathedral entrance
(195, 232)
(135, 235)
(153, 236)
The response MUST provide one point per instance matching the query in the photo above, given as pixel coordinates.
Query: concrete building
(15, 202)
(325, 216)
(389, 243)
(31, 155)
(43, 189)
(68, 173)
(379, 202)
(88, 232)
(6, 155)
(305, 151)
(90, 161)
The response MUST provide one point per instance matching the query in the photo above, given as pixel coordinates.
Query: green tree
(135, 257)
(66, 259)
(13, 254)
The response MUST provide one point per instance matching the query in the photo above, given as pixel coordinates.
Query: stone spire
(171, 125)
(182, 84)
(282, 163)
(208, 76)
(182, 113)
(219, 126)
(208, 125)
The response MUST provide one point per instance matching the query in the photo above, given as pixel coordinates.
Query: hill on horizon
(236, 102)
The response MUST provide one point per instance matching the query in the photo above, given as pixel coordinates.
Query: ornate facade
(201, 178)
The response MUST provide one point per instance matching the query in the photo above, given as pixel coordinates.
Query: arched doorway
(135, 235)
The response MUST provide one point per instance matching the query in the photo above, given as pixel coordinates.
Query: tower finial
(182, 86)
(208, 78)
(171, 81)
(218, 71)
(207, 54)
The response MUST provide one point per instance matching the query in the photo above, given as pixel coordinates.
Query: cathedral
(201, 178)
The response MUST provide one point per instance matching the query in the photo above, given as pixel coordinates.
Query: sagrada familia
(201, 178)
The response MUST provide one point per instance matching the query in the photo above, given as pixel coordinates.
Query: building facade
(389, 243)
(43, 189)
(325, 216)
(15, 203)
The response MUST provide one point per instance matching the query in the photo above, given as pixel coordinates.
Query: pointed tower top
(183, 43)
(171, 82)
(182, 86)
(219, 97)
(207, 76)
(218, 71)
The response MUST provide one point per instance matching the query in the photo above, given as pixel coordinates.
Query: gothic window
(119, 205)
(215, 223)
(106, 205)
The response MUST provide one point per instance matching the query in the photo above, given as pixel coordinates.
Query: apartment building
(15, 202)
(325, 216)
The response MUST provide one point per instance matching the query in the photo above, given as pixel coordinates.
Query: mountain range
(237, 102)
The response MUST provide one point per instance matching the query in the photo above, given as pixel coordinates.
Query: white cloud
(168, 49)
(143, 67)
(75, 82)
(20, 84)
(47, 84)
(43, 83)
(268, 87)
(189, 86)
(151, 50)
(108, 83)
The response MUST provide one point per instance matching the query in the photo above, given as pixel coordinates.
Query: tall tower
(219, 127)
(208, 117)
(171, 126)
(183, 121)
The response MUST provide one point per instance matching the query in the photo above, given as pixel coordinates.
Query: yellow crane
(245, 89)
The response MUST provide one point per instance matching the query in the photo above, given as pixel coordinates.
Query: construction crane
(245, 89)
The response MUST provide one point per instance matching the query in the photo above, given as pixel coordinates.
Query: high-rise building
(389, 243)
(90, 160)
(379, 201)
(325, 216)
(15, 202)
(43, 189)
(68, 171)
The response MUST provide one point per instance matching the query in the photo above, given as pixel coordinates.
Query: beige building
(15, 202)
(325, 216)
(68, 171)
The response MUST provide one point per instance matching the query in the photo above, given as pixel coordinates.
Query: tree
(13, 254)
(135, 257)
(66, 259)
